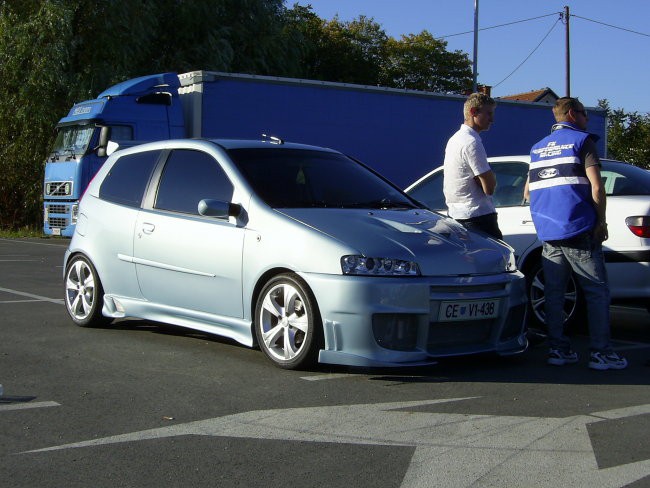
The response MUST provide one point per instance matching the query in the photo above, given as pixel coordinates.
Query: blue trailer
(400, 133)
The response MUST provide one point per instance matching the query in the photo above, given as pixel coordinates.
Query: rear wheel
(287, 323)
(84, 293)
(573, 301)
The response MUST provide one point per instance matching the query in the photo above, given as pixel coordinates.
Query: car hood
(439, 245)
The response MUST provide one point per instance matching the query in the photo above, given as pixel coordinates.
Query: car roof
(223, 143)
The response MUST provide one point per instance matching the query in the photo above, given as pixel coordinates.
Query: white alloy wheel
(287, 322)
(84, 293)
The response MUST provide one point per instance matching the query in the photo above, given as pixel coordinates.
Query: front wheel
(84, 293)
(573, 301)
(287, 323)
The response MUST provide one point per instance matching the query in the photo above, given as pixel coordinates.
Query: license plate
(56, 231)
(468, 310)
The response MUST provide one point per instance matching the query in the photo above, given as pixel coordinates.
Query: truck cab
(141, 109)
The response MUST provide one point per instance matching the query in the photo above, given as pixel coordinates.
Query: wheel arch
(257, 289)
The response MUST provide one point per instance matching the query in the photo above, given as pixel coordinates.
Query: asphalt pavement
(141, 404)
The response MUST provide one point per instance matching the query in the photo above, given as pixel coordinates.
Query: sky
(609, 61)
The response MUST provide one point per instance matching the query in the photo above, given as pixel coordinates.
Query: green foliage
(628, 135)
(54, 53)
(422, 62)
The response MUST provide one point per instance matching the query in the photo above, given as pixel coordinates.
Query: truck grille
(59, 222)
(58, 188)
(58, 209)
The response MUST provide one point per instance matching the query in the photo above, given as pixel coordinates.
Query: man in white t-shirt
(469, 181)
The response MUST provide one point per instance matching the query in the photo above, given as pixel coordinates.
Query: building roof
(544, 95)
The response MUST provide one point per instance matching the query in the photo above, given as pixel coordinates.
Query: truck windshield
(72, 141)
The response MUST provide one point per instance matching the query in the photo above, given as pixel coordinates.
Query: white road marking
(454, 450)
(25, 406)
(58, 301)
(333, 376)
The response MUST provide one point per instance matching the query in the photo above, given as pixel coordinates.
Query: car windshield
(72, 140)
(624, 179)
(298, 178)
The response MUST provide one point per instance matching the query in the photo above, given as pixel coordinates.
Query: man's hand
(600, 232)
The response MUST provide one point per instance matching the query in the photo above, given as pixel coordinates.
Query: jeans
(584, 255)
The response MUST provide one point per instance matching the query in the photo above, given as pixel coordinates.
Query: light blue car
(296, 249)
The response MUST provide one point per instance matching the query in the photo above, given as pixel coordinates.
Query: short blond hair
(477, 100)
(563, 105)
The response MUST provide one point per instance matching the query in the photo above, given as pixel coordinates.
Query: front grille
(453, 337)
(58, 188)
(58, 209)
(59, 222)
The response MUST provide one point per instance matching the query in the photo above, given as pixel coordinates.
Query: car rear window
(622, 179)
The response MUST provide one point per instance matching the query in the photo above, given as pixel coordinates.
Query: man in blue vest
(567, 203)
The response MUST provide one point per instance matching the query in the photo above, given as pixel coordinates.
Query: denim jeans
(584, 255)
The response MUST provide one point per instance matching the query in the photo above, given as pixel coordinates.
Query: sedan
(298, 250)
(627, 251)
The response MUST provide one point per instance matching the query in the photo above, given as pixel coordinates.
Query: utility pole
(568, 52)
(475, 69)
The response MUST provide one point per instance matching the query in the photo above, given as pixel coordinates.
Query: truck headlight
(370, 266)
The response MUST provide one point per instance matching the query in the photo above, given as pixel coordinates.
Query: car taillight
(639, 226)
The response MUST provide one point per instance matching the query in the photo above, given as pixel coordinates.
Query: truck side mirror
(104, 136)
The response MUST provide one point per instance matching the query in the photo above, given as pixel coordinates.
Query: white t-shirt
(465, 158)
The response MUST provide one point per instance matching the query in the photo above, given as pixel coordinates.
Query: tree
(57, 52)
(422, 62)
(628, 135)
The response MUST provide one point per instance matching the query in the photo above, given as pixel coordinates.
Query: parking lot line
(23, 406)
(58, 301)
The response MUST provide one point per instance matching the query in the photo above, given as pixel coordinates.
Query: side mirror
(104, 136)
(216, 208)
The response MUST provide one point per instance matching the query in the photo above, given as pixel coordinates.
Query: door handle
(148, 228)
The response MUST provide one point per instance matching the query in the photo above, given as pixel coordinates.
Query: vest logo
(548, 173)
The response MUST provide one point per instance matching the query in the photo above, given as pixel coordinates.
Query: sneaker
(560, 358)
(606, 360)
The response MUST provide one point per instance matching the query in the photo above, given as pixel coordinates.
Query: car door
(185, 260)
(515, 220)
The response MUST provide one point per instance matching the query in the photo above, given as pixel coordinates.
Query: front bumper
(371, 321)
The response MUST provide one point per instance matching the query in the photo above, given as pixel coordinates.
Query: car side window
(429, 192)
(189, 177)
(127, 179)
(511, 179)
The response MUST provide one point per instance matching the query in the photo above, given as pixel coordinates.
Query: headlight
(362, 265)
(511, 264)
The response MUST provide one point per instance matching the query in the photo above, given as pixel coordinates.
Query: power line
(500, 25)
(610, 25)
(531, 53)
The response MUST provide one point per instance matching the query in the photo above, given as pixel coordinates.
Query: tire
(288, 327)
(574, 308)
(84, 293)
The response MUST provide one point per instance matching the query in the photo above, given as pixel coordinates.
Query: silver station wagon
(298, 250)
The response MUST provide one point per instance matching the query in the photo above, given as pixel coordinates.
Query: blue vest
(560, 192)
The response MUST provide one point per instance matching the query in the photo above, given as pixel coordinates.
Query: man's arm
(488, 181)
(600, 200)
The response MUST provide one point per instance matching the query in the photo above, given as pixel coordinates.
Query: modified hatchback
(296, 249)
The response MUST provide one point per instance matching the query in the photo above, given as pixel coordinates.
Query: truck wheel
(574, 309)
(287, 323)
(84, 293)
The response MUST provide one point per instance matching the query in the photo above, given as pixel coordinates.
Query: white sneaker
(606, 360)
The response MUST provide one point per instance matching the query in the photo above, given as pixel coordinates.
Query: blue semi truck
(400, 133)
